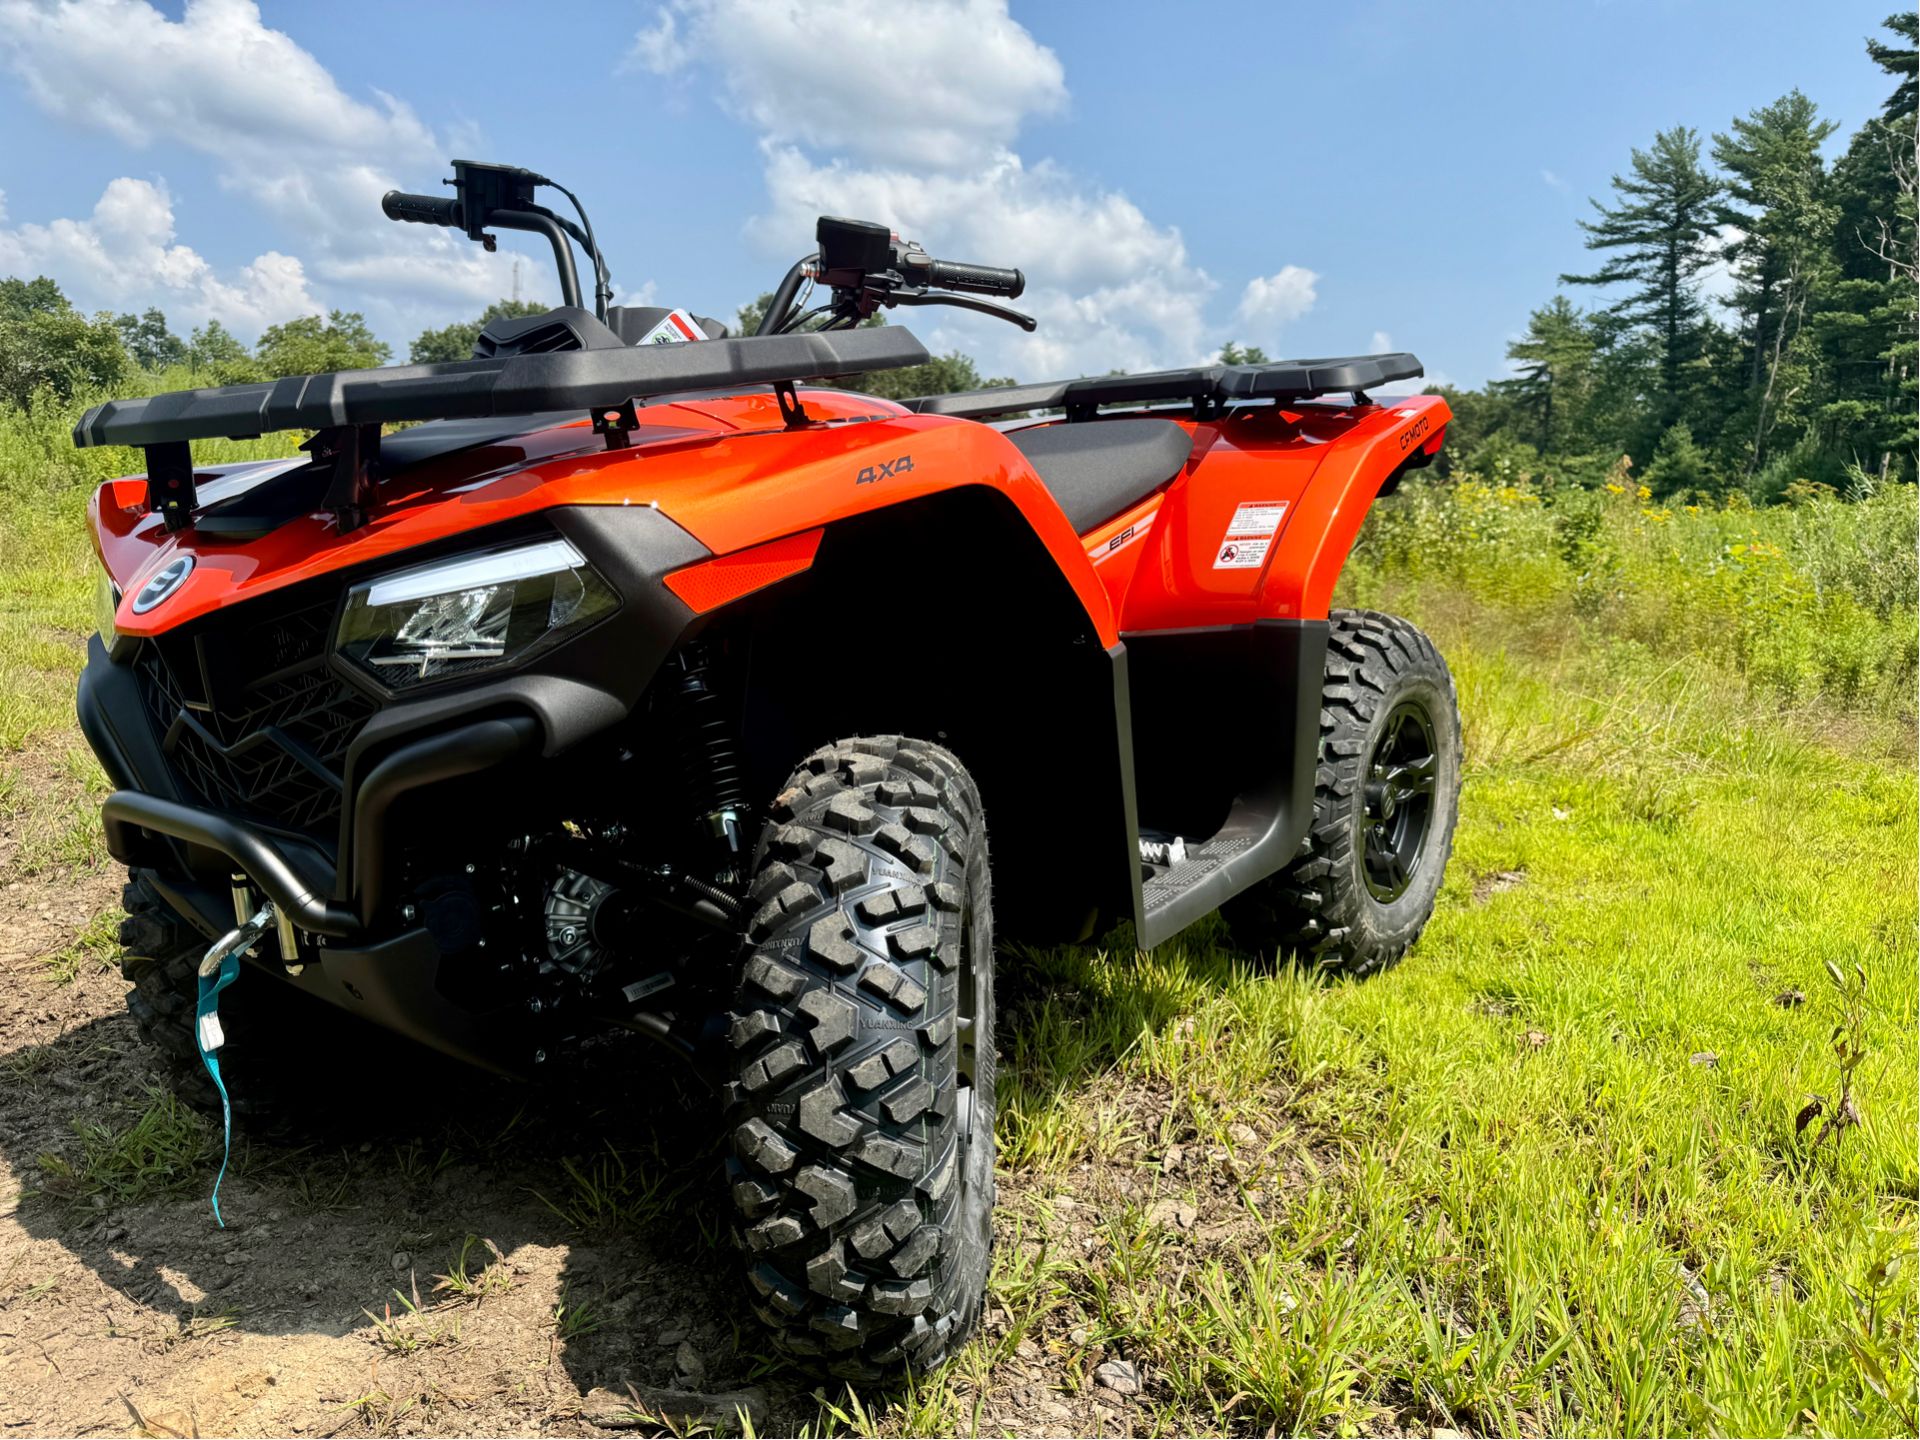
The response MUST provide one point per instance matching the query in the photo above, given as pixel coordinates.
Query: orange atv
(647, 685)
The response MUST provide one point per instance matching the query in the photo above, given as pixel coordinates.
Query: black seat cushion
(1097, 468)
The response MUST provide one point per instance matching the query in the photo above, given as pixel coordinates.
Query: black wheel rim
(1398, 797)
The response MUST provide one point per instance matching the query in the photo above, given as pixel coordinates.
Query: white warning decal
(1248, 554)
(678, 328)
(1249, 534)
(1256, 517)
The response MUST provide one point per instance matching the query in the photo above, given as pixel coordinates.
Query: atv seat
(1096, 470)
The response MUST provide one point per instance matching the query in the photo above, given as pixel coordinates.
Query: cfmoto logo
(163, 584)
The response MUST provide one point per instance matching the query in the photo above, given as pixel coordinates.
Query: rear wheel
(862, 1077)
(1386, 795)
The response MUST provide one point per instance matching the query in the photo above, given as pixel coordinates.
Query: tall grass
(48, 575)
(47, 568)
(1809, 604)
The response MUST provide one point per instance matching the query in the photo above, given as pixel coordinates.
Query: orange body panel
(1318, 466)
(1320, 530)
(728, 473)
(726, 578)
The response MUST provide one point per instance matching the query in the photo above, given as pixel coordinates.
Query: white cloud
(1554, 181)
(284, 134)
(216, 79)
(123, 256)
(897, 130)
(1109, 287)
(930, 84)
(1272, 302)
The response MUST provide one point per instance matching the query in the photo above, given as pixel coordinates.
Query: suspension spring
(709, 750)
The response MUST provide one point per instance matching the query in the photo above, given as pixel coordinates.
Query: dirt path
(139, 1316)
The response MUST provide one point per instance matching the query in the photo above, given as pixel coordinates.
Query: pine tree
(213, 344)
(1779, 204)
(1662, 230)
(1680, 469)
(1901, 60)
(1554, 365)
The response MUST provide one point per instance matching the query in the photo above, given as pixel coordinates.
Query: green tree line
(1806, 378)
(47, 347)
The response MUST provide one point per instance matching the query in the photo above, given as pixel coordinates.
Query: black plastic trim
(577, 380)
(114, 720)
(394, 984)
(1280, 685)
(1129, 787)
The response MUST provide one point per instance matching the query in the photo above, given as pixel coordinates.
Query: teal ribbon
(209, 1037)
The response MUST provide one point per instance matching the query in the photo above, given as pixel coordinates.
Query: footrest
(1170, 883)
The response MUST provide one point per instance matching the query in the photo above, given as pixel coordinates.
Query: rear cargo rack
(347, 407)
(1208, 388)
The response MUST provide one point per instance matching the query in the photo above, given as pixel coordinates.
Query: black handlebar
(421, 209)
(974, 279)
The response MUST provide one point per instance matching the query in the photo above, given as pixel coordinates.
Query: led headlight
(469, 613)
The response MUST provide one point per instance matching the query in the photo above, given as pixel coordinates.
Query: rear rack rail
(1208, 388)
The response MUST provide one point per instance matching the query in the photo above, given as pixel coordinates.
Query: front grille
(250, 716)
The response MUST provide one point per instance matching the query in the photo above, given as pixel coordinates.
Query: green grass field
(1544, 1177)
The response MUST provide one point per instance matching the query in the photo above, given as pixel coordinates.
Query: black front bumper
(139, 825)
(373, 960)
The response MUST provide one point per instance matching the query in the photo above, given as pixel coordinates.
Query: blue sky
(1316, 181)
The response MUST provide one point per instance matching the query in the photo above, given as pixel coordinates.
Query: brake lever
(964, 302)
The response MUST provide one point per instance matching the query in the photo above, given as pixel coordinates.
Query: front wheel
(1386, 794)
(860, 1107)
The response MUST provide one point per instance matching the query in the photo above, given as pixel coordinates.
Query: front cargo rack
(346, 408)
(1208, 388)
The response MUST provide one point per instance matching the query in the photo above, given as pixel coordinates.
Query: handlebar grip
(421, 209)
(977, 279)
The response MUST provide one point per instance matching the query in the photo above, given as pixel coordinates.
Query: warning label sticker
(678, 328)
(1249, 533)
(1256, 517)
(1248, 554)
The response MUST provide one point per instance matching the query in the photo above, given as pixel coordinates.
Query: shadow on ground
(601, 1198)
(324, 1307)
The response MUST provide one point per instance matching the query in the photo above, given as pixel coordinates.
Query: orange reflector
(725, 578)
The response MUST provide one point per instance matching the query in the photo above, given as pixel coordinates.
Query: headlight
(469, 613)
(106, 602)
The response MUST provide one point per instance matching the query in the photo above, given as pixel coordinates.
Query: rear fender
(1362, 461)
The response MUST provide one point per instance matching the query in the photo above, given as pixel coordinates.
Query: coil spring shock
(709, 754)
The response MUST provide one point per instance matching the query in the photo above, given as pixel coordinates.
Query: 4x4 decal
(873, 473)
